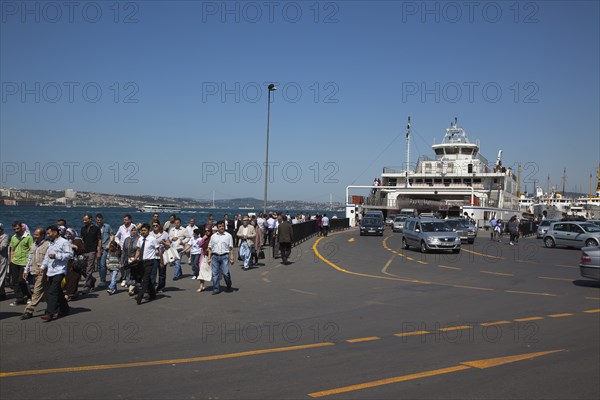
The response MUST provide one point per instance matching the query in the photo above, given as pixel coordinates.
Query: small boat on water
(152, 208)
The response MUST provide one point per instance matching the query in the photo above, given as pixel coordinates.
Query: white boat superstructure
(152, 208)
(457, 181)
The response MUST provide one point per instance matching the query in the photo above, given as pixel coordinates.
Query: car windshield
(435, 227)
(372, 221)
(591, 228)
(457, 223)
(399, 219)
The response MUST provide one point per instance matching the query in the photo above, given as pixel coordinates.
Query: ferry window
(439, 152)
(451, 150)
(466, 150)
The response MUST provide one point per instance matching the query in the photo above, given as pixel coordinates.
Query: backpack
(80, 264)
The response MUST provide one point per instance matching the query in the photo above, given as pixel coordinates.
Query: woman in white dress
(205, 270)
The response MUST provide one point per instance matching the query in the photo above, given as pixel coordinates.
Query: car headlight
(433, 240)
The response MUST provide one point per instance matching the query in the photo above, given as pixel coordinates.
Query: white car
(398, 224)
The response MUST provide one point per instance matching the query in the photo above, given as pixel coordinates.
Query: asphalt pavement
(349, 317)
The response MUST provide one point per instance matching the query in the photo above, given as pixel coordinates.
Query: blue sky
(170, 98)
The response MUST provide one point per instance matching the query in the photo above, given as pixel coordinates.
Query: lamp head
(272, 87)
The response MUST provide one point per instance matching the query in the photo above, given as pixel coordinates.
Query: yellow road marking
(592, 298)
(566, 266)
(164, 362)
(382, 382)
(411, 333)
(445, 266)
(266, 280)
(494, 323)
(365, 339)
(555, 279)
(326, 261)
(496, 273)
(472, 287)
(455, 328)
(559, 315)
(350, 240)
(422, 262)
(480, 254)
(592, 311)
(480, 364)
(410, 258)
(386, 266)
(532, 293)
(528, 319)
(494, 362)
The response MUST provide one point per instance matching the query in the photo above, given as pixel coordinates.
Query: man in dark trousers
(92, 239)
(285, 234)
(147, 253)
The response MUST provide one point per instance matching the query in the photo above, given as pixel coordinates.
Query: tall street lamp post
(271, 88)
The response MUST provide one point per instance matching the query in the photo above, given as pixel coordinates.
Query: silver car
(466, 231)
(590, 263)
(429, 234)
(543, 228)
(572, 234)
(398, 224)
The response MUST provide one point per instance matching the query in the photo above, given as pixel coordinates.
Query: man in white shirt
(179, 237)
(55, 266)
(147, 252)
(124, 230)
(220, 257)
(325, 224)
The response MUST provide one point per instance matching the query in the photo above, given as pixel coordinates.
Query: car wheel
(361, 234)
(590, 243)
(423, 247)
(404, 243)
(549, 242)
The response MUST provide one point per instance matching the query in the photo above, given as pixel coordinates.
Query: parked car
(371, 226)
(429, 234)
(590, 263)
(572, 234)
(398, 224)
(543, 227)
(389, 221)
(465, 230)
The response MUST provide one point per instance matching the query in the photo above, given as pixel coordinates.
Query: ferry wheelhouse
(458, 180)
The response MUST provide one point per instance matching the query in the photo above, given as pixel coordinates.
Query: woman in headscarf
(73, 273)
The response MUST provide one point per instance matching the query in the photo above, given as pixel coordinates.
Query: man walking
(20, 244)
(37, 253)
(325, 224)
(3, 261)
(92, 240)
(179, 237)
(147, 253)
(285, 234)
(246, 234)
(55, 267)
(220, 257)
(108, 235)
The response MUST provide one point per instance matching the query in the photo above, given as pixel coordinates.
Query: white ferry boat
(152, 208)
(458, 181)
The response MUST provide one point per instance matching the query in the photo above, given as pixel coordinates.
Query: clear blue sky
(183, 103)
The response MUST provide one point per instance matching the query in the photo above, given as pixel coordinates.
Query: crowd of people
(499, 227)
(58, 264)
